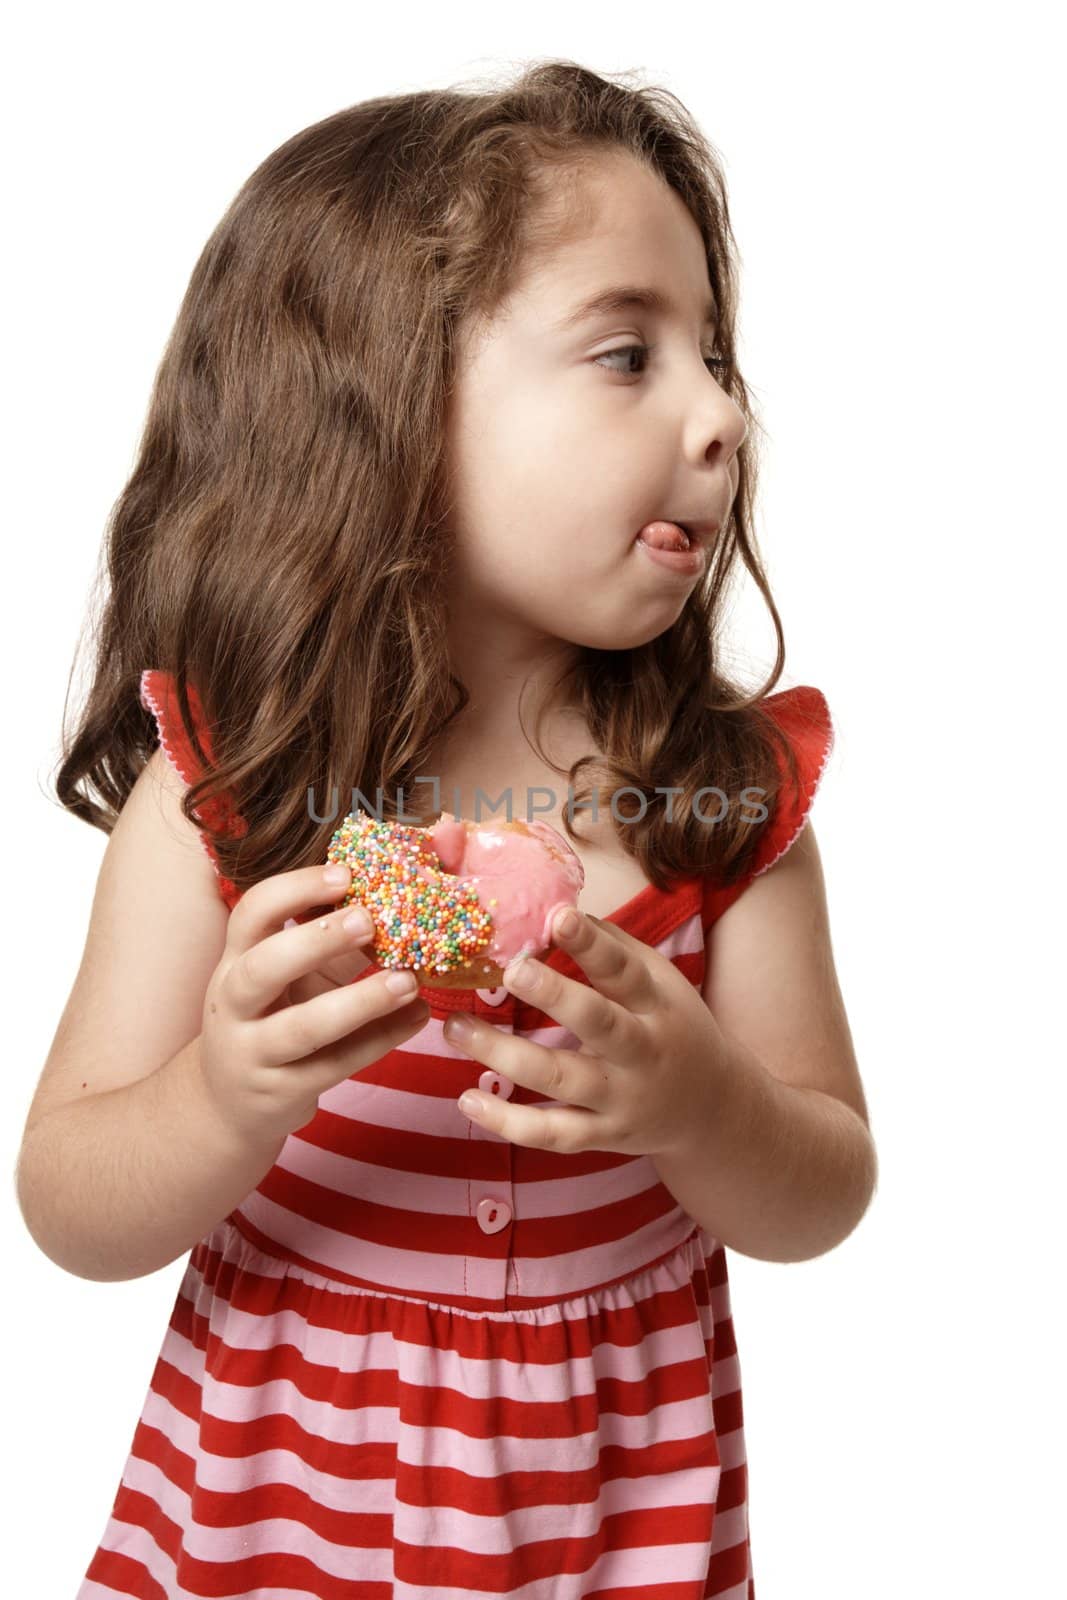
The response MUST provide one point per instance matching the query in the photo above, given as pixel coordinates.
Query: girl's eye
(717, 365)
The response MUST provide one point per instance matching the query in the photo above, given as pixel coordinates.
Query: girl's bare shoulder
(771, 980)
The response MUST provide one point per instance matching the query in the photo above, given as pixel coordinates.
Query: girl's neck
(506, 671)
(473, 757)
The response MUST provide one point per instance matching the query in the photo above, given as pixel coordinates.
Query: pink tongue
(664, 536)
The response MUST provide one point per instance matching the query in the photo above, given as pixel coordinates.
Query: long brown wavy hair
(282, 541)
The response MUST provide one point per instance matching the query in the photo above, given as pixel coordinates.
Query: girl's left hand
(653, 1059)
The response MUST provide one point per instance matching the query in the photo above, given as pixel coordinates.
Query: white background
(895, 182)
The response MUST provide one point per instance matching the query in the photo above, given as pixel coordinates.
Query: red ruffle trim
(804, 717)
(159, 695)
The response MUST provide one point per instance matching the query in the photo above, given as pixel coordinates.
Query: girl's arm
(121, 1184)
(783, 1166)
(124, 1162)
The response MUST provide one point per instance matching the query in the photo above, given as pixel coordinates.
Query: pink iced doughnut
(456, 902)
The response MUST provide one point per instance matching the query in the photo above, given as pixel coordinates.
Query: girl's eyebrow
(627, 297)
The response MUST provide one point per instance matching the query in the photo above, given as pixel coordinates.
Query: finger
(564, 1129)
(255, 980)
(562, 1075)
(265, 907)
(301, 1030)
(614, 962)
(603, 1025)
(343, 968)
(349, 1055)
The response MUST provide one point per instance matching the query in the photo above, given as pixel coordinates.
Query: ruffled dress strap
(804, 717)
(159, 696)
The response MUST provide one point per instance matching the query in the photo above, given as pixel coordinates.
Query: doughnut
(455, 902)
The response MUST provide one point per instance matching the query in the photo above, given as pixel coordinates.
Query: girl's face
(563, 443)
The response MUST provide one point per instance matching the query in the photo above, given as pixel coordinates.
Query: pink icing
(530, 876)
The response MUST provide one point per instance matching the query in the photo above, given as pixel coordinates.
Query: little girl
(450, 431)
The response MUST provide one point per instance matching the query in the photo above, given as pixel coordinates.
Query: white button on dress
(493, 1215)
(493, 997)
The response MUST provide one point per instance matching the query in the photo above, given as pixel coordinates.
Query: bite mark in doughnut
(456, 902)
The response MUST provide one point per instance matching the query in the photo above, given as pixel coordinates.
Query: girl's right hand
(266, 1051)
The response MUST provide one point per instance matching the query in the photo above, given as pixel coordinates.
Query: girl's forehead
(616, 226)
(628, 226)
(572, 209)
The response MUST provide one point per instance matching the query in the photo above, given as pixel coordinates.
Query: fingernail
(567, 925)
(458, 1027)
(335, 873)
(401, 983)
(522, 974)
(357, 922)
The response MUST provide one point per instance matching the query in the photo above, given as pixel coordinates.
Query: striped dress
(418, 1362)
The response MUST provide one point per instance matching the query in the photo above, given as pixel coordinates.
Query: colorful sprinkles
(423, 917)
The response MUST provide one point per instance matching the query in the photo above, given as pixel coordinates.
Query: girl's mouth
(662, 535)
(669, 545)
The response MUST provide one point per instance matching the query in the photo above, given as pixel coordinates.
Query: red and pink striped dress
(418, 1362)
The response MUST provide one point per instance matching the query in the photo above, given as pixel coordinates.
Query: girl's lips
(686, 563)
